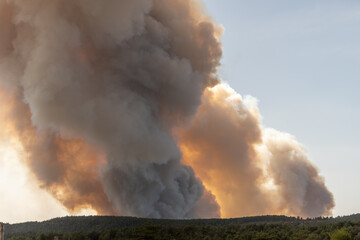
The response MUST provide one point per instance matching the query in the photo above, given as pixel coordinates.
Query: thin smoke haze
(117, 107)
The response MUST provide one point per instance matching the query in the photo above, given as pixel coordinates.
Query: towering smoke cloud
(110, 79)
(118, 108)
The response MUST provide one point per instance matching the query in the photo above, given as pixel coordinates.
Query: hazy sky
(301, 60)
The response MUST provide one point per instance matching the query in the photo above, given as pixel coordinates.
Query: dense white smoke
(102, 93)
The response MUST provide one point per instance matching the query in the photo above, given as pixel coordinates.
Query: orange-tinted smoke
(120, 76)
(249, 169)
(67, 168)
(219, 145)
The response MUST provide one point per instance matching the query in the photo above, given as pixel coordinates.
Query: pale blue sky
(301, 60)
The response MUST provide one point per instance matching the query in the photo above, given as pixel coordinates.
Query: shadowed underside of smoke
(102, 94)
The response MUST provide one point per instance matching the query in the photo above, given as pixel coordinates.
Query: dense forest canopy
(257, 227)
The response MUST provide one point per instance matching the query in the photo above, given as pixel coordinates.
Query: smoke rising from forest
(118, 108)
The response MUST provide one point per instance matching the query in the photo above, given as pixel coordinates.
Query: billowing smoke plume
(110, 79)
(118, 108)
(251, 170)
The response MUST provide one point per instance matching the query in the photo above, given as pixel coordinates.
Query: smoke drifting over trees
(118, 108)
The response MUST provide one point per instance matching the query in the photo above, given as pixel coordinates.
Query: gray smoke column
(116, 75)
(118, 108)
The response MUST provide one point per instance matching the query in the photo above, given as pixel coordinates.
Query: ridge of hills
(72, 224)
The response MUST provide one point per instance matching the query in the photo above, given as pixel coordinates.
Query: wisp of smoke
(118, 108)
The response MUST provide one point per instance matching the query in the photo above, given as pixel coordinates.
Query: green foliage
(340, 234)
(254, 228)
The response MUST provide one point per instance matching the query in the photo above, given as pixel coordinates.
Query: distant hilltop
(100, 223)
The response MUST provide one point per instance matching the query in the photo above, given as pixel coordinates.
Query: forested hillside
(260, 227)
